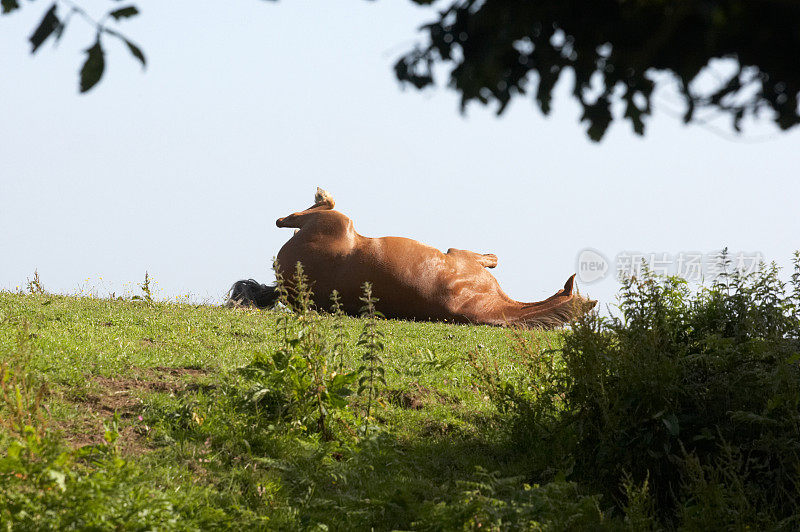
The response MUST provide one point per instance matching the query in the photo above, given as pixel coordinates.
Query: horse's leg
(487, 260)
(297, 219)
(324, 202)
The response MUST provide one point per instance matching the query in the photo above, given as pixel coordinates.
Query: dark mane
(251, 293)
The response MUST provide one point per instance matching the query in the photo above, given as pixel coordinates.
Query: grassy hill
(185, 453)
(140, 415)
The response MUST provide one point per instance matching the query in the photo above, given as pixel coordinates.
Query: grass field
(132, 414)
(186, 454)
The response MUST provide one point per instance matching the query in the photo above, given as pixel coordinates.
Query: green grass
(75, 337)
(190, 456)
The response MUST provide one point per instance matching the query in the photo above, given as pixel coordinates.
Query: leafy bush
(21, 390)
(696, 395)
(45, 485)
(48, 487)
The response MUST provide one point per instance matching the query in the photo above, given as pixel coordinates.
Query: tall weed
(371, 340)
(294, 384)
(305, 382)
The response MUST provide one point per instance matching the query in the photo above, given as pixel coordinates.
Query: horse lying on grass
(410, 279)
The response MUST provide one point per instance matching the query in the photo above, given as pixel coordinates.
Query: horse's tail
(251, 293)
(555, 311)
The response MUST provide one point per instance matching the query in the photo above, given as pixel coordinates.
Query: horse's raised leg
(322, 202)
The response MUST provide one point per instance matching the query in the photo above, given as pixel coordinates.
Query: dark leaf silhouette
(124, 12)
(9, 5)
(136, 51)
(94, 66)
(46, 27)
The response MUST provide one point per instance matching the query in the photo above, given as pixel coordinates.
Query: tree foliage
(496, 50)
(499, 49)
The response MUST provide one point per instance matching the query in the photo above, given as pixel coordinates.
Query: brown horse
(410, 279)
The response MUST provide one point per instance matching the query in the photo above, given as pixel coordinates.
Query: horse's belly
(410, 280)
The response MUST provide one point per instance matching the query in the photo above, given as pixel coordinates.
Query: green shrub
(696, 394)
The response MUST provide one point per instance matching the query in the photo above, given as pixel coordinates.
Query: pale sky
(243, 110)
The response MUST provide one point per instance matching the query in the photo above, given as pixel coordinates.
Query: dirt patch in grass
(89, 430)
(122, 395)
